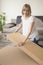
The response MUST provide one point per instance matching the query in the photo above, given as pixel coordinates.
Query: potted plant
(2, 21)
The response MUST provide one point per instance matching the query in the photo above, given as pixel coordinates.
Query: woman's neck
(26, 16)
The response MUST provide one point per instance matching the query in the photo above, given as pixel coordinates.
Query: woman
(28, 25)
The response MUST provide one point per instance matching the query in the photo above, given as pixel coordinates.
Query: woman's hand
(20, 43)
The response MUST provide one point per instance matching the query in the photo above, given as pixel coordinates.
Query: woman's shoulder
(33, 17)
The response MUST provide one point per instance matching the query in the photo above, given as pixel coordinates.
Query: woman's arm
(28, 34)
(19, 27)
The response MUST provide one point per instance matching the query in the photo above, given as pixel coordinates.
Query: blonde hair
(26, 6)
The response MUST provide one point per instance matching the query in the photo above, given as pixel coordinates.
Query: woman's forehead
(26, 8)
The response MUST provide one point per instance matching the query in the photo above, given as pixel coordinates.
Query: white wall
(37, 7)
(0, 4)
(13, 7)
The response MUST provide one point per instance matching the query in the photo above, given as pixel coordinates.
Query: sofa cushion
(18, 19)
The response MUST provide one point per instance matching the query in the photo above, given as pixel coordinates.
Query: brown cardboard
(30, 48)
(10, 55)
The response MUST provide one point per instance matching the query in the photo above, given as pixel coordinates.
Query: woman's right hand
(20, 43)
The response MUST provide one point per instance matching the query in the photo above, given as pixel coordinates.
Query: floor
(4, 41)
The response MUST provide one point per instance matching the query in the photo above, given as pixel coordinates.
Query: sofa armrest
(9, 25)
(40, 30)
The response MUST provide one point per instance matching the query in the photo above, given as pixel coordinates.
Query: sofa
(11, 27)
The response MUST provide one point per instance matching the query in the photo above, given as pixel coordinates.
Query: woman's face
(26, 12)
